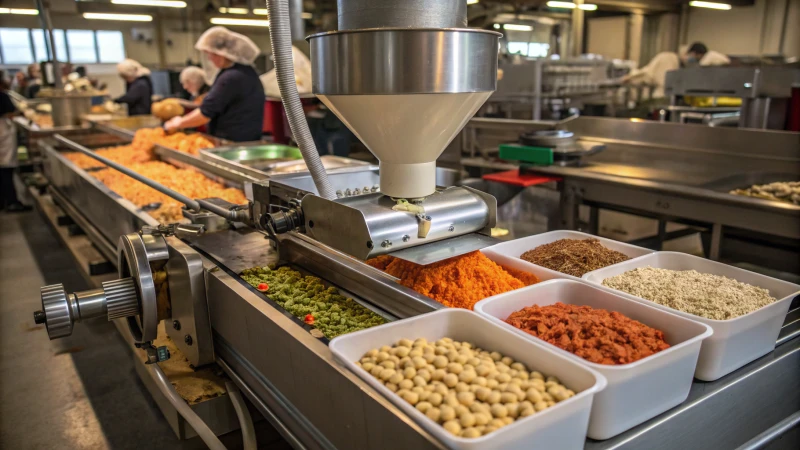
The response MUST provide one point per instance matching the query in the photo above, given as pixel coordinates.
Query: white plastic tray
(735, 342)
(512, 250)
(562, 426)
(636, 391)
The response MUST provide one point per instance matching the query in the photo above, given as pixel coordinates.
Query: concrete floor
(79, 392)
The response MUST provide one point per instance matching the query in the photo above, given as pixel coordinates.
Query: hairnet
(131, 68)
(224, 42)
(193, 74)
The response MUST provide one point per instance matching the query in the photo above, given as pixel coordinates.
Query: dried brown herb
(574, 257)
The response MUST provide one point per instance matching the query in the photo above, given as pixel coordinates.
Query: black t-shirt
(235, 105)
(6, 105)
(138, 96)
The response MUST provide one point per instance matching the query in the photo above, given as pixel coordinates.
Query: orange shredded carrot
(457, 282)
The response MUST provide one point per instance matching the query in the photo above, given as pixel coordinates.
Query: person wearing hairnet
(138, 87)
(234, 106)
(655, 72)
(193, 81)
(698, 53)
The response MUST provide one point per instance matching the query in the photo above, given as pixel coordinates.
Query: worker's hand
(625, 79)
(173, 124)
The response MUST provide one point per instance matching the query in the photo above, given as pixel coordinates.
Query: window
(518, 48)
(16, 46)
(81, 46)
(532, 49)
(25, 46)
(110, 46)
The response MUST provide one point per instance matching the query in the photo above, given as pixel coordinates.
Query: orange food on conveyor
(457, 282)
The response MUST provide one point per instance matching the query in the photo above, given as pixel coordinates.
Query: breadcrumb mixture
(702, 294)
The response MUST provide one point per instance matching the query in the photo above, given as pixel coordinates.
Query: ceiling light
(242, 22)
(472, 2)
(516, 27)
(126, 17)
(570, 5)
(224, 10)
(496, 26)
(162, 3)
(711, 5)
(24, 12)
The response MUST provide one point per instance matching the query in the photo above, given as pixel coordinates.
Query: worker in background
(234, 106)
(28, 83)
(699, 54)
(193, 81)
(8, 152)
(138, 87)
(655, 72)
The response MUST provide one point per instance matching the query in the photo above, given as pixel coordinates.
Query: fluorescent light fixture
(161, 3)
(308, 15)
(570, 5)
(261, 11)
(24, 12)
(126, 17)
(497, 26)
(712, 5)
(472, 2)
(224, 10)
(242, 22)
(516, 27)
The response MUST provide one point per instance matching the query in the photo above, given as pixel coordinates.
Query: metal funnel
(405, 92)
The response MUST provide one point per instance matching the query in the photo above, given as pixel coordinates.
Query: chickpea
(467, 420)
(549, 384)
(419, 362)
(423, 396)
(368, 366)
(525, 412)
(425, 374)
(461, 410)
(441, 342)
(433, 413)
(452, 355)
(480, 407)
(455, 368)
(452, 427)
(418, 389)
(533, 395)
(441, 350)
(392, 387)
(382, 356)
(479, 381)
(423, 407)
(406, 384)
(519, 366)
(496, 356)
(451, 379)
(448, 413)
(537, 375)
(441, 389)
(553, 379)
(482, 393)
(376, 371)
(428, 357)
(503, 378)
(402, 352)
(508, 397)
(396, 378)
(540, 406)
(513, 373)
(466, 398)
(435, 399)
(502, 368)
(523, 375)
(493, 398)
(451, 400)
(482, 418)
(492, 384)
(440, 362)
(462, 387)
(513, 409)
(388, 364)
(489, 429)
(372, 353)
(496, 423)
(415, 352)
(470, 433)
(385, 348)
(482, 370)
(420, 342)
(508, 420)
(438, 374)
(419, 381)
(467, 376)
(547, 397)
(538, 385)
(429, 387)
(507, 360)
(364, 360)
(499, 411)
(411, 397)
(551, 403)
(474, 362)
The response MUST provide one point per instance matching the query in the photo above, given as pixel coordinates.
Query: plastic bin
(735, 342)
(515, 248)
(636, 391)
(563, 426)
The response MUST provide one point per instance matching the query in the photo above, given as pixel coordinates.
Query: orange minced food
(457, 282)
(596, 335)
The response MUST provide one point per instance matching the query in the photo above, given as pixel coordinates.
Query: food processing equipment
(186, 275)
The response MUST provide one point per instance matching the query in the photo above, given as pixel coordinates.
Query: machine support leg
(716, 240)
(662, 233)
(594, 220)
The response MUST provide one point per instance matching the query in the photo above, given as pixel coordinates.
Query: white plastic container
(636, 391)
(562, 426)
(735, 342)
(512, 251)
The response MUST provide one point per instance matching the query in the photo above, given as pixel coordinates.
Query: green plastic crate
(541, 156)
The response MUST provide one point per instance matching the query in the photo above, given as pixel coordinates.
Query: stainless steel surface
(121, 299)
(366, 226)
(126, 126)
(359, 62)
(188, 304)
(91, 303)
(354, 14)
(119, 167)
(294, 186)
(330, 162)
(68, 108)
(56, 308)
(773, 433)
(448, 248)
(743, 82)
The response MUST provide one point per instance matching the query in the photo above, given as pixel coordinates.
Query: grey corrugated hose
(281, 37)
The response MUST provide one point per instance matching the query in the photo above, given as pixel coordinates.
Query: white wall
(607, 36)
